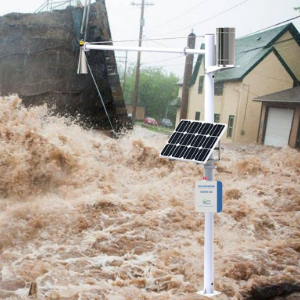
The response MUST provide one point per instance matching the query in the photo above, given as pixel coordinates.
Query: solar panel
(193, 141)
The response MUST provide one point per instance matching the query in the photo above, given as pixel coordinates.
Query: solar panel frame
(183, 139)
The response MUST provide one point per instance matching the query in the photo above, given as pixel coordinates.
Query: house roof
(286, 96)
(250, 51)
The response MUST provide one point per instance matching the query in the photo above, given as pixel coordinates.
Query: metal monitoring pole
(138, 64)
(209, 167)
(225, 60)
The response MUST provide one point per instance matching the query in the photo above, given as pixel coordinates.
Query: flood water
(89, 217)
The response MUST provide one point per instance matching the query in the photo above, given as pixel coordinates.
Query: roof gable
(263, 39)
(288, 96)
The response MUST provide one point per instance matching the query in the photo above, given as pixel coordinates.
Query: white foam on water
(88, 217)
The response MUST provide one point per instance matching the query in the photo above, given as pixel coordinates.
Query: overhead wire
(208, 19)
(157, 43)
(179, 16)
(152, 62)
(282, 22)
(144, 40)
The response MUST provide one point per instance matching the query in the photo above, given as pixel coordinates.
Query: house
(140, 111)
(280, 118)
(268, 63)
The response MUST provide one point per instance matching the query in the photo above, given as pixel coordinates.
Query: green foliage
(157, 89)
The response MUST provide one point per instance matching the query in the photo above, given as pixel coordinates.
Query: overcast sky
(177, 18)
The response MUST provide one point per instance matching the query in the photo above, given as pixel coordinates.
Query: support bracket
(203, 293)
(214, 69)
(219, 153)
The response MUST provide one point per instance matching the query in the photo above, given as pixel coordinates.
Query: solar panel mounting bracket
(219, 154)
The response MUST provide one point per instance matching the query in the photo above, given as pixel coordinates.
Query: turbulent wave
(87, 217)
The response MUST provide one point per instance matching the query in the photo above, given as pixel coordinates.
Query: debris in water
(33, 289)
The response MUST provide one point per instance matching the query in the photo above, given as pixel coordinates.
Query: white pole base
(215, 293)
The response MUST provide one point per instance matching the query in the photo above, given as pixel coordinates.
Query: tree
(157, 89)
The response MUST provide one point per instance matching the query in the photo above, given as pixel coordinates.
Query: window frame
(230, 128)
(201, 84)
(219, 116)
(219, 88)
(197, 112)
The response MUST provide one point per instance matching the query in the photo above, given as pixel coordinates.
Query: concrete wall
(38, 61)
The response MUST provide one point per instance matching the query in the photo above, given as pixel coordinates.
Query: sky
(177, 18)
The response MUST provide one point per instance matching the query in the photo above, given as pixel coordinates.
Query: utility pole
(188, 69)
(138, 64)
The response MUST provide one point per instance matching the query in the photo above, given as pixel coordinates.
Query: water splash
(88, 217)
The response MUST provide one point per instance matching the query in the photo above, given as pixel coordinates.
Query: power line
(157, 43)
(152, 62)
(179, 16)
(269, 27)
(184, 37)
(153, 39)
(181, 64)
(208, 19)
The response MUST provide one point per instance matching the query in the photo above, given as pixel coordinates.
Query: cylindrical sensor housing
(225, 47)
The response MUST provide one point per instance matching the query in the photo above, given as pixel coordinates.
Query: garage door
(279, 125)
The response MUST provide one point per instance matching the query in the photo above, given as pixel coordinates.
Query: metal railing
(55, 4)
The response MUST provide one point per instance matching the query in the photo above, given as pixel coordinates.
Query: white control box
(208, 196)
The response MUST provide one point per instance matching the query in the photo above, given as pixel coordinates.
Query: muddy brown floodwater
(85, 217)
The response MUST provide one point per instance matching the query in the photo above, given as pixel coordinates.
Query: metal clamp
(84, 47)
(184, 51)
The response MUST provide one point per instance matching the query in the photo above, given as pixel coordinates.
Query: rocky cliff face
(38, 61)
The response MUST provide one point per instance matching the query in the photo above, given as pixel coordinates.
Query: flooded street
(89, 217)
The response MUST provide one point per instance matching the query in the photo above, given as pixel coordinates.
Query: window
(230, 127)
(201, 82)
(197, 115)
(217, 118)
(219, 86)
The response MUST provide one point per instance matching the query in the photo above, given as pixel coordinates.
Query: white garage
(279, 124)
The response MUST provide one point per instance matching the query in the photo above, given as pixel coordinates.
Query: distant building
(140, 111)
(268, 63)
